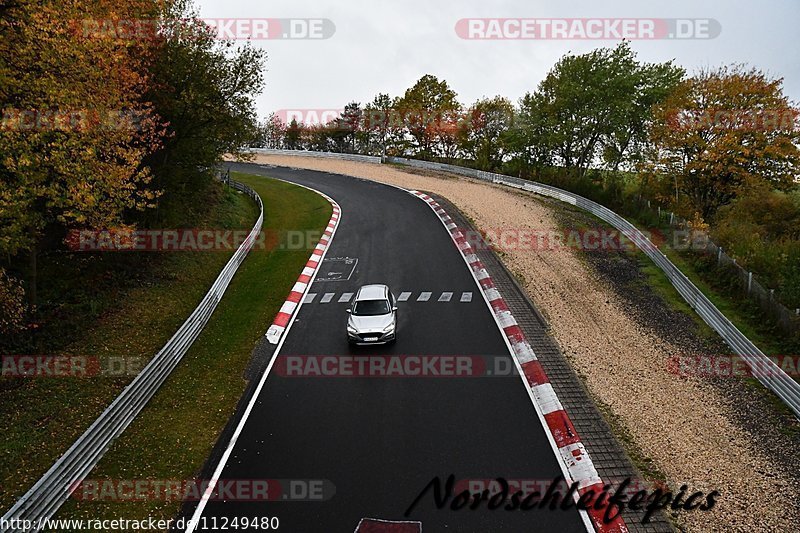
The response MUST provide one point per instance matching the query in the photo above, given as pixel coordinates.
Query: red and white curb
(574, 458)
(289, 307)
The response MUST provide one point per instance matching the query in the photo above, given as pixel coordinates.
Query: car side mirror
(394, 308)
(349, 311)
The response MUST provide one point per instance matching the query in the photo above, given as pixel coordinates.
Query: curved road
(379, 441)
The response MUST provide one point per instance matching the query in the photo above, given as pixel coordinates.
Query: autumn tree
(99, 119)
(724, 131)
(317, 137)
(270, 133)
(75, 128)
(344, 129)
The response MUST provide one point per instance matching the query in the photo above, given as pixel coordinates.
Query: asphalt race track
(374, 443)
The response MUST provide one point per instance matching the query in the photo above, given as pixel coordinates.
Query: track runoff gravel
(687, 428)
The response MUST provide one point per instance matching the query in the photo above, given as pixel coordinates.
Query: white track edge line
(198, 512)
(587, 522)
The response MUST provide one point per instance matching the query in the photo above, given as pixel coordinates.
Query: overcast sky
(385, 46)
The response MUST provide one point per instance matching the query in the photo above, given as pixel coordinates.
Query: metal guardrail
(763, 368)
(329, 155)
(55, 486)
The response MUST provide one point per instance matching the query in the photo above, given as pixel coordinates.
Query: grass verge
(136, 301)
(742, 312)
(174, 435)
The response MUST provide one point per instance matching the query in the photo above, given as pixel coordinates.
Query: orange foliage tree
(74, 128)
(722, 132)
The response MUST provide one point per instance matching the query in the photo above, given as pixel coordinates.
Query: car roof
(372, 292)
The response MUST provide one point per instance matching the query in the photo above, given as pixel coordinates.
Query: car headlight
(351, 329)
(388, 329)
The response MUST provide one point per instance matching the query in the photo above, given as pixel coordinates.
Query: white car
(373, 316)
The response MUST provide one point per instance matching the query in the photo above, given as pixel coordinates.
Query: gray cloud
(385, 46)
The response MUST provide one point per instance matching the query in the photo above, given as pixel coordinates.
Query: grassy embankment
(175, 433)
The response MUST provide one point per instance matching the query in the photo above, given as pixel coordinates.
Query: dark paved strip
(377, 442)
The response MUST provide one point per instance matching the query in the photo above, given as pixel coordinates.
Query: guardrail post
(671, 218)
(771, 295)
(749, 282)
(719, 255)
(659, 212)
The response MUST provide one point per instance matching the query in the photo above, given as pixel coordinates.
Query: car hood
(370, 323)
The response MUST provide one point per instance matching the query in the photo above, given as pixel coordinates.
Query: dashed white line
(405, 296)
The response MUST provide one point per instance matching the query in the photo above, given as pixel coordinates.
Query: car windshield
(371, 307)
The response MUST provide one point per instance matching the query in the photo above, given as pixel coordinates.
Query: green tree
(484, 135)
(626, 141)
(430, 110)
(378, 123)
(595, 106)
(205, 89)
(530, 137)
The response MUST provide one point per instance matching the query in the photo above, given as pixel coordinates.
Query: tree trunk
(33, 274)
